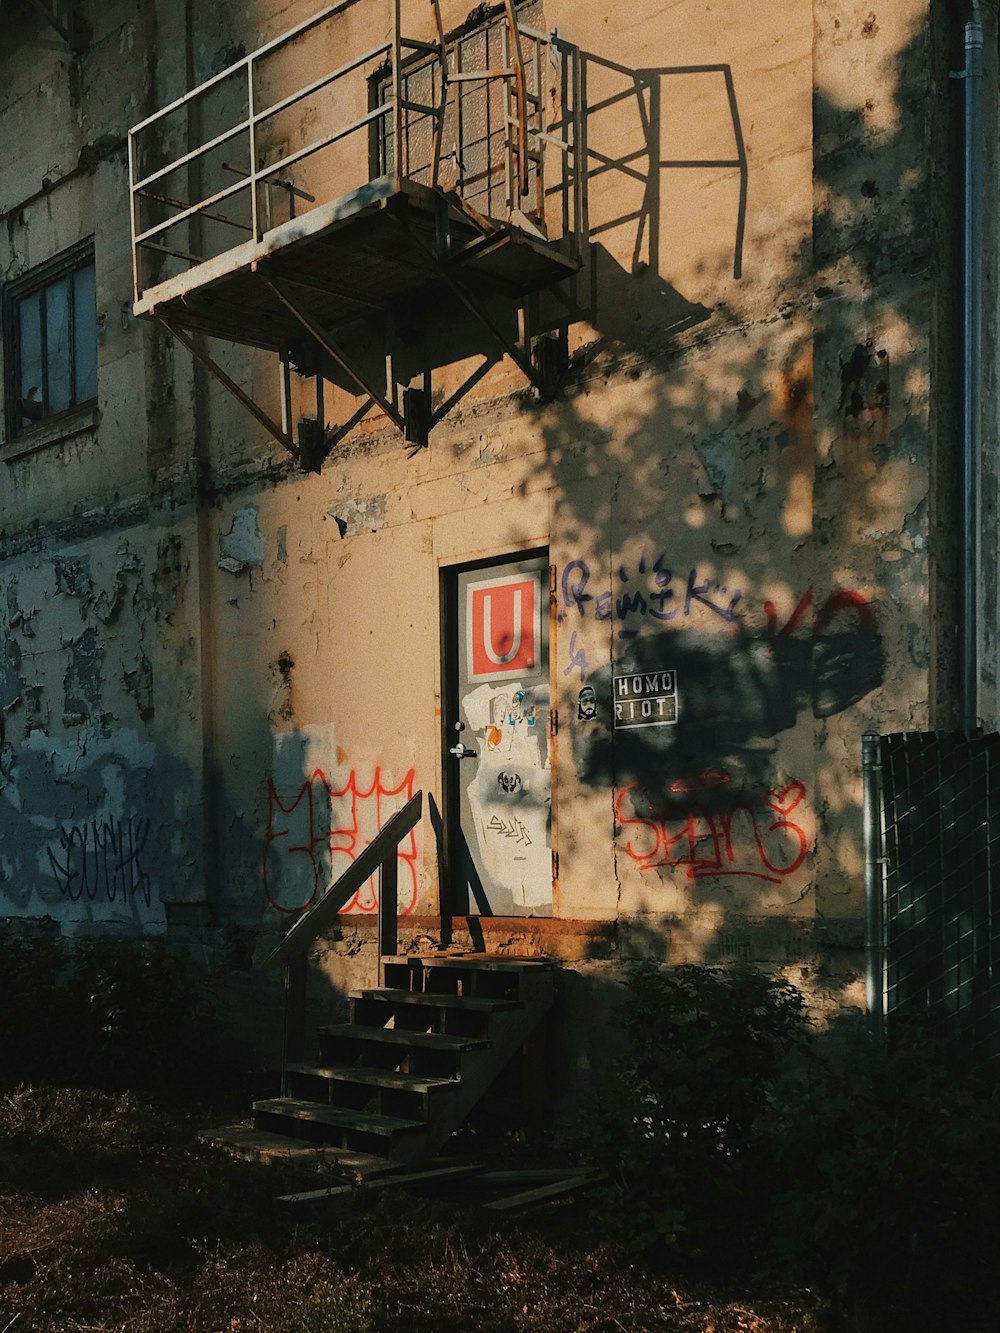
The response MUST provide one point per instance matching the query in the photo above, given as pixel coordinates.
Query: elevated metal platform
(383, 247)
(378, 286)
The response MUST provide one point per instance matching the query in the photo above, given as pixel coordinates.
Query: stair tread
(488, 962)
(261, 1145)
(380, 1078)
(473, 1004)
(431, 1041)
(299, 1109)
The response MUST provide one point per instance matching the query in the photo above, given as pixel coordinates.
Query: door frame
(450, 854)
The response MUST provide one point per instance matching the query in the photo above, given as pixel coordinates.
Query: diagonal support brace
(519, 356)
(203, 359)
(337, 354)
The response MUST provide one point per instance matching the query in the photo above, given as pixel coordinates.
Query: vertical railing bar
(508, 160)
(874, 985)
(443, 104)
(540, 115)
(293, 1040)
(565, 130)
(133, 204)
(397, 87)
(884, 896)
(252, 146)
(580, 148)
(388, 908)
(286, 393)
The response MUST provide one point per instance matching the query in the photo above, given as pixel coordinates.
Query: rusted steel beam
(213, 367)
(336, 353)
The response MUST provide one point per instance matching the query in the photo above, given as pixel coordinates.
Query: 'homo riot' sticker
(644, 699)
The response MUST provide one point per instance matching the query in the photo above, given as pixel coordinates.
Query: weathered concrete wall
(220, 676)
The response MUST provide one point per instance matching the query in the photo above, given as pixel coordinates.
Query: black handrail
(293, 951)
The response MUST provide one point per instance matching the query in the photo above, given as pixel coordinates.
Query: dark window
(50, 331)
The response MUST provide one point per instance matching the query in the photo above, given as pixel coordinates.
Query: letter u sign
(513, 630)
(503, 621)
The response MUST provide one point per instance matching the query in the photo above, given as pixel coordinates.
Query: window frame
(22, 434)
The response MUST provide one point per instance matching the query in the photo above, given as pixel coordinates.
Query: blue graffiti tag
(650, 591)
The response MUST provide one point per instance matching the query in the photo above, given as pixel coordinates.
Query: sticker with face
(509, 782)
(520, 711)
(587, 704)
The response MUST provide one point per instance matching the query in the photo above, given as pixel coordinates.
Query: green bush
(887, 1182)
(115, 1012)
(675, 1126)
(36, 1035)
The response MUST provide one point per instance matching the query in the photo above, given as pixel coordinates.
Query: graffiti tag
(662, 594)
(102, 859)
(751, 835)
(309, 831)
(511, 828)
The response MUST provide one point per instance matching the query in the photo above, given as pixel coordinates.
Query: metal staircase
(390, 1087)
(417, 1056)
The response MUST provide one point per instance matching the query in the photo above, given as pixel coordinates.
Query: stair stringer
(507, 1033)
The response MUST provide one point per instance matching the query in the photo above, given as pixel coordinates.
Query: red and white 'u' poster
(503, 626)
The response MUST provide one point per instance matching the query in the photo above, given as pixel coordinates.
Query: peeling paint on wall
(84, 835)
(353, 515)
(242, 547)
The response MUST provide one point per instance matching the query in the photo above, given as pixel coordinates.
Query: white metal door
(501, 736)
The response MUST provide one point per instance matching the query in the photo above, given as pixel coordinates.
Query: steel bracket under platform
(394, 253)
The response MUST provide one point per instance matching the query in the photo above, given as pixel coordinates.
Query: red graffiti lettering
(748, 836)
(839, 601)
(311, 831)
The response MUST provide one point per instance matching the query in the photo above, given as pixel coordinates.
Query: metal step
(315, 1113)
(429, 999)
(376, 1078)
(266, 1147)
(475, 962)
(419, 1041)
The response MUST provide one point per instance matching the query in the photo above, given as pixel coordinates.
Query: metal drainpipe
(972, 75)
(871, 768)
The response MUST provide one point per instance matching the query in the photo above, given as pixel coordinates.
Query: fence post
(871, 769)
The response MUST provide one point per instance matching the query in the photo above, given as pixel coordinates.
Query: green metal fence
(934, 865)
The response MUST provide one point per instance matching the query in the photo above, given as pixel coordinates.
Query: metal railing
(392, 119)
(380, 855)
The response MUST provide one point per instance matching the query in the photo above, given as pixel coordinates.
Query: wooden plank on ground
(545, 1192)
(529, 1175)
(383, 1182)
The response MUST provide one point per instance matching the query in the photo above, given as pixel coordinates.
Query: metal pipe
(871, 770)
(972, 75)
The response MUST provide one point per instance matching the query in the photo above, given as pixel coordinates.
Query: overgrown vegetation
(762, 1176)
(103, 1010)
(865, 1173)
(113, 1218)
(704, 1046)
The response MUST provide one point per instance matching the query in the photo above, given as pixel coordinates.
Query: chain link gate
(932, 826)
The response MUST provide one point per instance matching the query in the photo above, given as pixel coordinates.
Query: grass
(114, 1218)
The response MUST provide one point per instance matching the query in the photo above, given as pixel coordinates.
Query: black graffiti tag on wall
(102, 859)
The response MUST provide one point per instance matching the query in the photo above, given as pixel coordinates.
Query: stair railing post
(388, 909)
(293, 950)
(293, 1042)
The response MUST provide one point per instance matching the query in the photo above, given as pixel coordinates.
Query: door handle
(461, 751)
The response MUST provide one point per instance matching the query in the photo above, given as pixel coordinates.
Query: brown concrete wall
(238, 667)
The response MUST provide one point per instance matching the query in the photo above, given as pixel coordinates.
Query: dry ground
(115, 1219)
